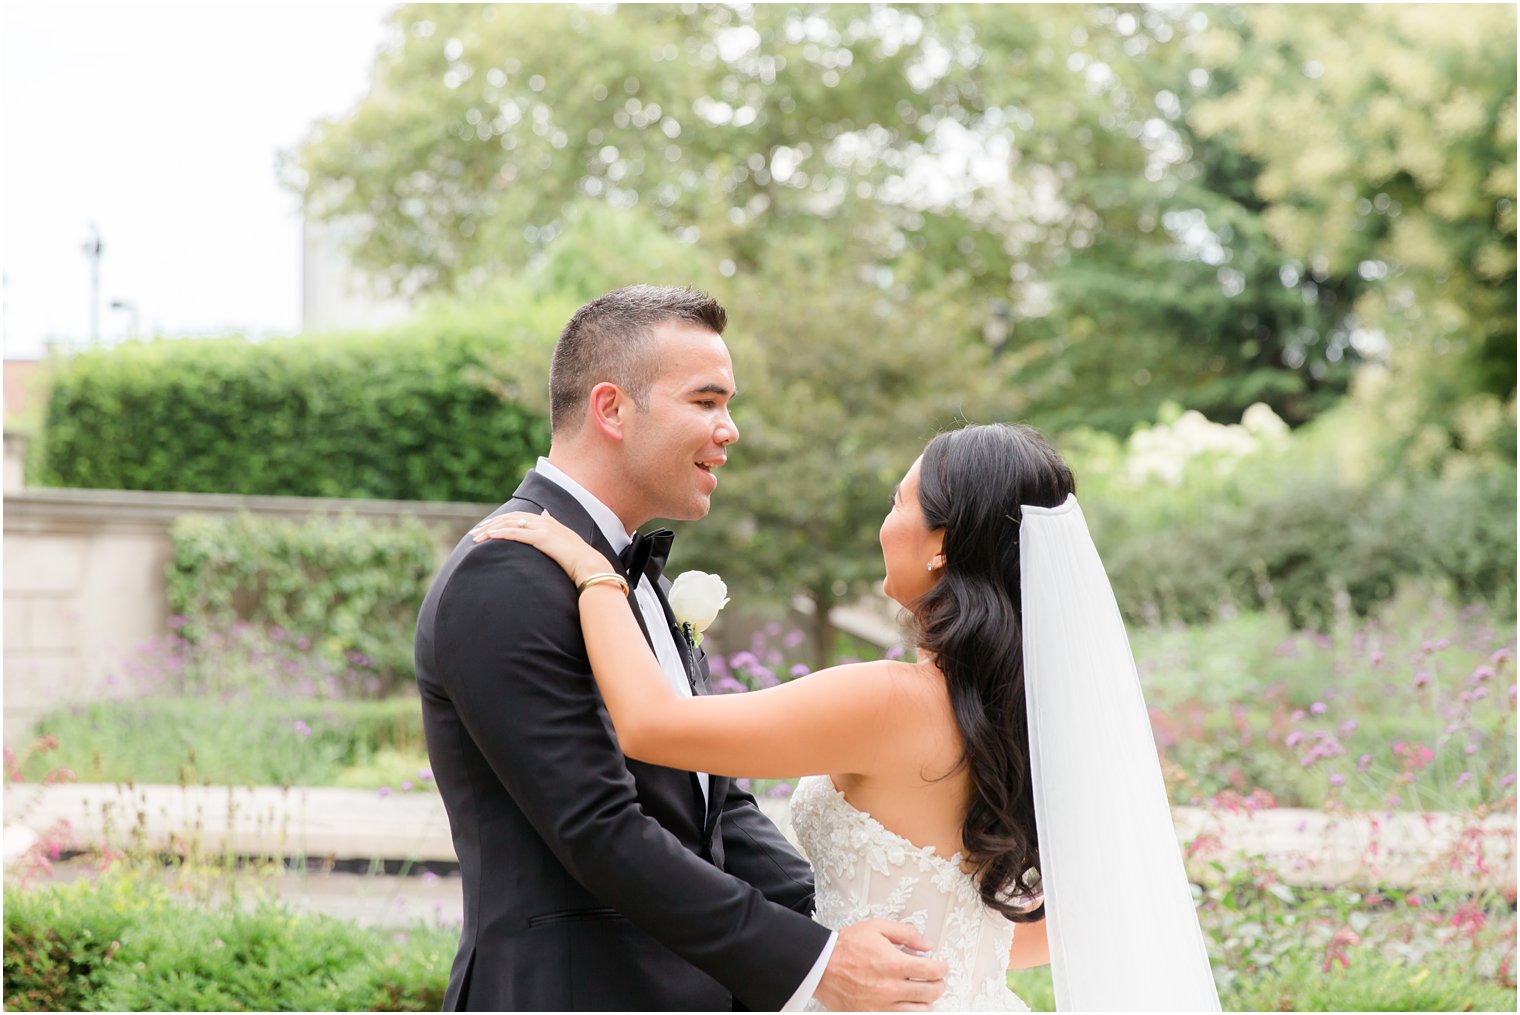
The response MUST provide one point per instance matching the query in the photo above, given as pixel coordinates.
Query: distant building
(336, 296)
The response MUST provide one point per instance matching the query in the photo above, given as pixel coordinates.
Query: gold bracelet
(605, 578)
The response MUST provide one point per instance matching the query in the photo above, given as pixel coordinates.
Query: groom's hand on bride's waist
(872, 968)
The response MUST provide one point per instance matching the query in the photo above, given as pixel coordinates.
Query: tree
(841, 383)
(1386, 137)
(1021, 158)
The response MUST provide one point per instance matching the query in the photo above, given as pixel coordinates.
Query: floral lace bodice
(864, 871)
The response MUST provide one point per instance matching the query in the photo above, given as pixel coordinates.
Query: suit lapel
(566, 509)
(695, 663)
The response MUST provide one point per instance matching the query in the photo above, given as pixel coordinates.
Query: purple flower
(302, 730)
(1507, 781)
(895, 652)
(1499, 656)
(1318, 708)
(1421, 680)
(425, 774)
(429, 878)
(1348, 727)
(1470, 749)
(742, 784)
(743, 660)
(799, 670)
(1481, 674)
(303, 643)
(1464, 779)
(1292, 739)
(780, 791)
(1336, 779)
(383, 791)
(793, 638)
(772, 629)
(1363, 763)
(406, 787)
(1376, 658)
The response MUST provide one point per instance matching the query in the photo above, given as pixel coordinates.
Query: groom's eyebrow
(712, 389)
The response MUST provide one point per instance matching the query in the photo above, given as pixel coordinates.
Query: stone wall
(85, 587)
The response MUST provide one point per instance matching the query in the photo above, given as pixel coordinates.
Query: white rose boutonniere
(695, 599)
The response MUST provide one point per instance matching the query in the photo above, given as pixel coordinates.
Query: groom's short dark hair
(609, 339)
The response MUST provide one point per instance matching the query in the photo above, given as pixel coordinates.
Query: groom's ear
(607, 408)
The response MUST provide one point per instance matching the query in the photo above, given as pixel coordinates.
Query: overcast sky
(160, 122)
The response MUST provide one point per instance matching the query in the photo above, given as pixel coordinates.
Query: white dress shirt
(669, 657)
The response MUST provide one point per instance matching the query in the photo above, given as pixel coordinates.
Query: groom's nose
(727, 431)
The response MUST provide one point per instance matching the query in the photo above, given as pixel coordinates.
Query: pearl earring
(931, 565)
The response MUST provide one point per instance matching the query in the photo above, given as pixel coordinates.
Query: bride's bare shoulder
(914, 683)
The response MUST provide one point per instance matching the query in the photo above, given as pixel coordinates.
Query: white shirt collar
(600, 513)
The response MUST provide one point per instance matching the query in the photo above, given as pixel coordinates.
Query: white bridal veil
(1119, 913)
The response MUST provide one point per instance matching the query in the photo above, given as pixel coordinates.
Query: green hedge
(126, 944)
(409, 415)
(1313, 547)
(342, 591)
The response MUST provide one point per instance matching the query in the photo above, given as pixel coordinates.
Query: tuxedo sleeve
(755, 851)
(509, 649)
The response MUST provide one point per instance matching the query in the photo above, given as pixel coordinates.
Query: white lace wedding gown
(863, 871)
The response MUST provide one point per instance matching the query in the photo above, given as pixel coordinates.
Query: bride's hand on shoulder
(567, 549)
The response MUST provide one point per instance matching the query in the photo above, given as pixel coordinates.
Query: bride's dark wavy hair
(972, 483)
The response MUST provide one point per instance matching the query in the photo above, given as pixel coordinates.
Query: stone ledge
(37, 508)
(1304, 847)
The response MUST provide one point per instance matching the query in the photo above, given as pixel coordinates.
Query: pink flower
(1421, 680)
(1376, 658)
(1464, 779)
(1481, 674)
(1293, 739)
(1318, 708)
(1363, 763)
(1348, 727)
(1336, 779)
(302, 730)
(406, 787)
(383, 791)
(425, 774)
(780, 791)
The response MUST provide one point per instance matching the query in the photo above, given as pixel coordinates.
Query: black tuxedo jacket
(591, 881)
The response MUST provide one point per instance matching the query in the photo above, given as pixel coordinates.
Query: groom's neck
(600, 479)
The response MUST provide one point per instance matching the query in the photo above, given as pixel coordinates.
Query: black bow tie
(646, 555)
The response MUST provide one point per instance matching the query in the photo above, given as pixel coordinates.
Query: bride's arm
(836, 720)
(1030, 946)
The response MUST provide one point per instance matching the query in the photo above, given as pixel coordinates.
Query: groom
(592, 881)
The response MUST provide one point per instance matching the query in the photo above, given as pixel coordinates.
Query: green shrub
(343, 590)
(1312, 546)
(125, 944)
(245, 741)
(408, 415)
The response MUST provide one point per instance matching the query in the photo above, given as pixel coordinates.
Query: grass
(240, 740)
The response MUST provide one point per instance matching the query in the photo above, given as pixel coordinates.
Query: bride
(1001, 792)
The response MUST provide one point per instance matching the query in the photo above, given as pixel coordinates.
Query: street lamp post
(93, 248)
(130, 308)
